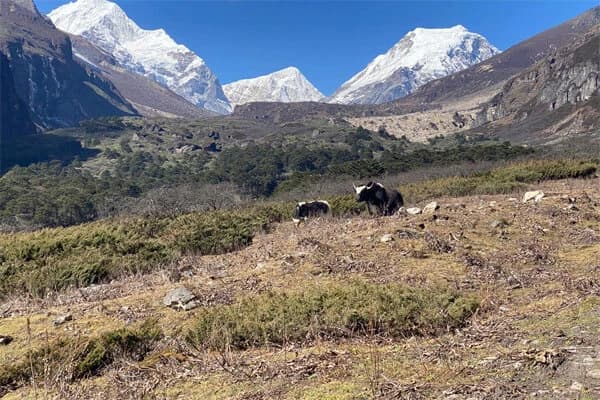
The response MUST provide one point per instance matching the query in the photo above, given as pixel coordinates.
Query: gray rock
(5, 340)
(535, 195)
(499, 224)
(413, 211)
(386, 238)
(190, 305)
(180, 298)
(431, 208)
(62, 319)
(406, 233)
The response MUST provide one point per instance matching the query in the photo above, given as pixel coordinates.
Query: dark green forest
(62, 192)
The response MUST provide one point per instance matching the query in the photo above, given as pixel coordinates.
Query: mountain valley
(147, 242)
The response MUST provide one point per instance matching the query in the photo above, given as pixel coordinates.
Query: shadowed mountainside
(57, 90)
(149, 97)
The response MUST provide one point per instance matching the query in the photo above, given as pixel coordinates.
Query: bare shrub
(177, 200)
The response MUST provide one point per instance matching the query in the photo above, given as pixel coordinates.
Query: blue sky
(329, 41)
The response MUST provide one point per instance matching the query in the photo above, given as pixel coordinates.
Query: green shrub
(500, 180)
(341, 311)
(102, 351)
(52, 260)
(346, 205)
(80, 358)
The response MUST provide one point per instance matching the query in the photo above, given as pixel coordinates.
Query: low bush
(51, 260)
(72, 359)
(358, 308)
(104, 350)
(500, 180)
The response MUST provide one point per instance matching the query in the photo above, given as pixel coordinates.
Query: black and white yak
(305, 210)
(379, 200)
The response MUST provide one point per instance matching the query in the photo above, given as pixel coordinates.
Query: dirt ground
(535, 267)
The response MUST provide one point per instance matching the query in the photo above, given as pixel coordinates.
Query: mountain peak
(454, 29)
(27, 4)
(422, 55)
(286, 86)
(290, 69)
(152, 53)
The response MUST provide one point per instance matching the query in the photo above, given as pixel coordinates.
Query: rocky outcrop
(15, 120)
(549, 95)
(57, 90)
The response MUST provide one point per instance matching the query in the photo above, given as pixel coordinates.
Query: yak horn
(353, 185)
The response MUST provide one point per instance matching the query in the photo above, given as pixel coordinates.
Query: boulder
(181, 298)
(535, 195)
(413, 211)
(431, 208)
(62, 319)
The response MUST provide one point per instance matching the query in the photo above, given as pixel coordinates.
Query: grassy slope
(536, 328)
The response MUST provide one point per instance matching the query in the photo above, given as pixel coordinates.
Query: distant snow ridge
(286, 86)
(152, 53)
(419, 57)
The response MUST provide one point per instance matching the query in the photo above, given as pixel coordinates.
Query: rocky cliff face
(57, 90)
(15, 120)
(558, 94)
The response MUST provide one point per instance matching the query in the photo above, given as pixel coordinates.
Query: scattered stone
(386, 238)
(181, 298)
(576, 386)
(5, 340)
(413, 211)
(535, 195)
(431, 208)
(406, 233)
(499, 224)
(190, 306)
(63, 319)
(513, 199)
(261, 265)
(593, 373)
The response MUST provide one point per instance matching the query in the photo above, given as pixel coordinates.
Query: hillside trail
(535, 265)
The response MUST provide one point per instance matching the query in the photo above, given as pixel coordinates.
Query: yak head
(363, 192)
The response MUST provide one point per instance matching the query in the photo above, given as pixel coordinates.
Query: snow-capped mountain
(419, 57)
(152, 53)
(285, 86)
